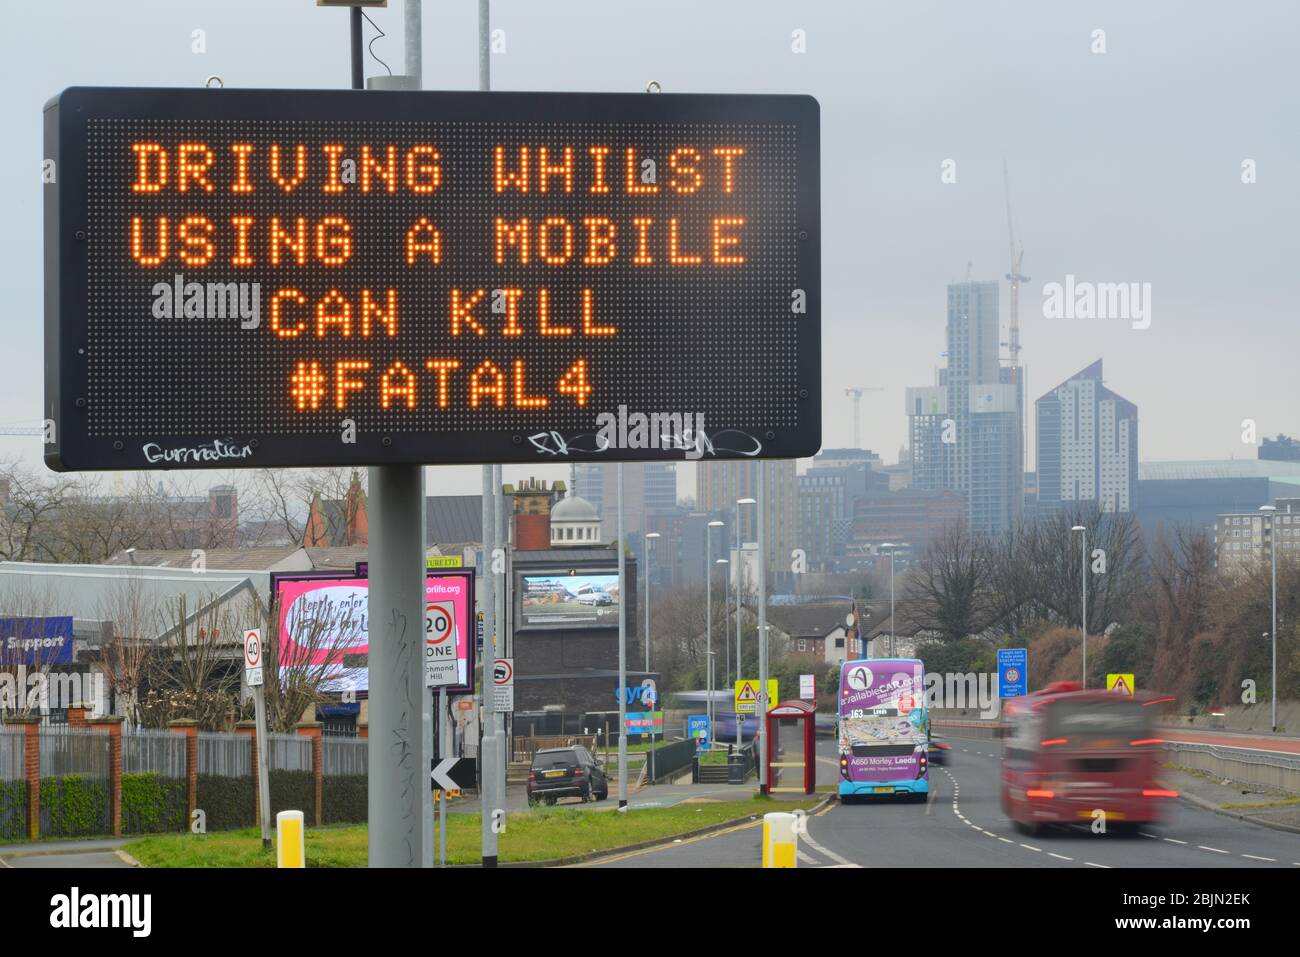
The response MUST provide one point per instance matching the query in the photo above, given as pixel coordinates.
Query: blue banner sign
(36, 642)
(1013, 672)
(697, 727)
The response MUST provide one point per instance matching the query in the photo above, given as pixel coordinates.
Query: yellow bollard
(780, 839)
(290, 840)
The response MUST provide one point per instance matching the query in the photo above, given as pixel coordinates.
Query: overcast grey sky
(1126, 166)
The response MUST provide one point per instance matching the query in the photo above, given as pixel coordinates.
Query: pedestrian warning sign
(747, 695)
(1123, 683)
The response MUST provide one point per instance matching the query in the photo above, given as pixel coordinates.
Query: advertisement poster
(569, 601)
(324, 621)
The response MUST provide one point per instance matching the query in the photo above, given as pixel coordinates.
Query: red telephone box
(792, 748)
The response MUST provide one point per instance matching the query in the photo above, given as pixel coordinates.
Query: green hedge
(13, 810)
(345, 799)
(227, 803)
(293, 791)
(152, 804)
(72, 806)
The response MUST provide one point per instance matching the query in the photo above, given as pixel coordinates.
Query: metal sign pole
(500, 540)
(401, 733)
(399, 789)
(487, 723)
(622, 651)
(761, 712)
(263, 778)
(444, 751)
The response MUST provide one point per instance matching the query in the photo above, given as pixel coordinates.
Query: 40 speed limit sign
(440, 642)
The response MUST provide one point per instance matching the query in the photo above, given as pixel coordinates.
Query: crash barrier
(1263, 769)
(968, 729)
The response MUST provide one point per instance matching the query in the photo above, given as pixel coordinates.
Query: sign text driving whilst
(253, 278)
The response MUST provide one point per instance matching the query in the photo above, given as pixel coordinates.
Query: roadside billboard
(324, 621)
(568, 600)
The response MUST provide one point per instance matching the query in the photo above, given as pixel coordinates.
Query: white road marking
(1091, 864)
(1031, 847)
(1061, 856)
(1214, 849)
(1173, 840)
(808, 838)
(1006, 840)
(1256, 857)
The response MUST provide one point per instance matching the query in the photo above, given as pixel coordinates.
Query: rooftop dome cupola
(574, 523)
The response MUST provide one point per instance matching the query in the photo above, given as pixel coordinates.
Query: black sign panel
(252, 278)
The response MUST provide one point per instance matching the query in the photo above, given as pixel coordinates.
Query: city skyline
(1100, 188)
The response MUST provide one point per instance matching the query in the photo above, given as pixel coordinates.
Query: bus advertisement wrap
(884, 727)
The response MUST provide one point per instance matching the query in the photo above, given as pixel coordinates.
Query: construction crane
(1015, 277)
(855, 393)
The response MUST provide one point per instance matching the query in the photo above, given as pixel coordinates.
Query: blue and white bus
(883, 728)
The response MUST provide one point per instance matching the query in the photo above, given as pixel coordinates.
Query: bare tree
(301, 673)
(134, 616)
(950, 591)
(1055, 555)
(1183, 579)
(195, 670)
(30, 506)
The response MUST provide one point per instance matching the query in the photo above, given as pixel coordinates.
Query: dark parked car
(566, 772)
(938, 751)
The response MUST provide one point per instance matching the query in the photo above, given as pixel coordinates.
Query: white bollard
(780, 839)
(290, 840)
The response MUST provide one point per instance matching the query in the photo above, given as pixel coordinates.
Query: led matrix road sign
(251, 278)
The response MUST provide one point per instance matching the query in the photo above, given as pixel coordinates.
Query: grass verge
(537, 835)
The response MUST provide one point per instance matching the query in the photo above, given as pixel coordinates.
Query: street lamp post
(1270, 511)
(648, 537)
(740, 565)
(891, 546)
(708, 602)
(726, 670)
(1083, 599)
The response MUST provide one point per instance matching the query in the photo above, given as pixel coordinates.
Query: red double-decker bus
(1068, 754)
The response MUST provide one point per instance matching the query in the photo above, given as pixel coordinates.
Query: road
(962, 825)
